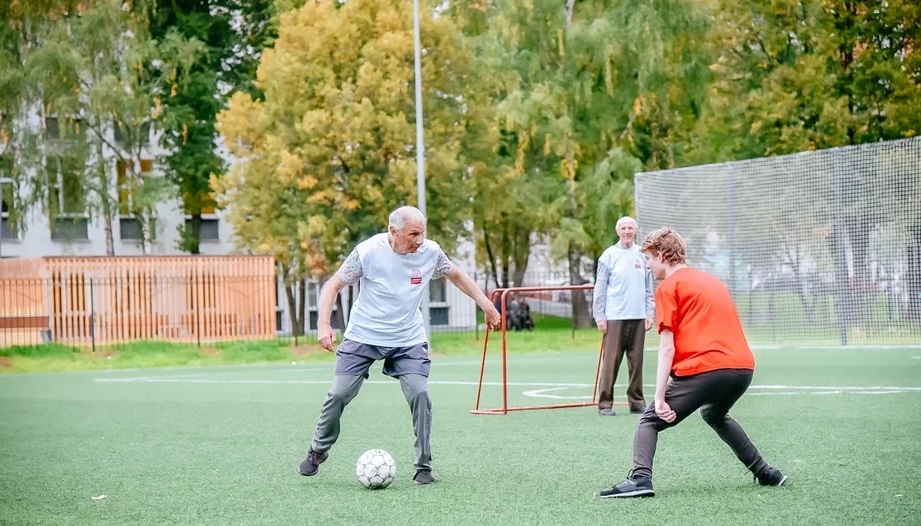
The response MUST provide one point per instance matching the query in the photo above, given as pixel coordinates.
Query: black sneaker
(311, 464)
(771, 477)
(632, 487)
(607, 412)
(423, 477)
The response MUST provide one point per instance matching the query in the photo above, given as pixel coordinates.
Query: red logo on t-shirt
(638, 265)
(416, 277)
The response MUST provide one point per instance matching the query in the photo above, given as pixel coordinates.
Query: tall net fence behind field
(819, 247)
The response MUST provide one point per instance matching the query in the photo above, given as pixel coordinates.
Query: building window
(70, 229)
(438, 301)
(210, 229)
(438, 316)
(312, 294)
(66, 198)
(313, 318)
(7, 231)
(51, 128)
(7, 193)
(279, 308)
(142, 132)
(438, 291)
(128, 188)
(129, 229)
(63, 129)
(210, 224)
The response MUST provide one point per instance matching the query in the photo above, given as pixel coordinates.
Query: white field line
(218, 373)
(879, 347)
(547, 389)
(759, 390)
(205, 373)
(190, 380)
(299, 367)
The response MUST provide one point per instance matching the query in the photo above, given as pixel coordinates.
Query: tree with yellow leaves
(330, 150)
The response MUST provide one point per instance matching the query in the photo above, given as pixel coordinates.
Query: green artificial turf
(220, 445)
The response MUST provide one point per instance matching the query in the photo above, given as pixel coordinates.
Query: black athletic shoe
(311, 464)
(632, 487)
(423, 477)
(771, 477)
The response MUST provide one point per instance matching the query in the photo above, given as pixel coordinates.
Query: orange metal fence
(24, 316)
(93, 300)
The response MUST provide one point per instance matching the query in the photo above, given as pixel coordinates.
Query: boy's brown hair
(666, 242)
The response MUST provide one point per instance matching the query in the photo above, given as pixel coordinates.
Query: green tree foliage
(21, 26)
(816, 74)
(809, 75)
(96, 80)
(585, 95)
(233, 33)
(192, 106)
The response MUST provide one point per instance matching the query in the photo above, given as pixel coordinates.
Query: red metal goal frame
(505, 409)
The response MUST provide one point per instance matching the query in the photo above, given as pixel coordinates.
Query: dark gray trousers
(353, 360)
(714, 393)
(624, 337)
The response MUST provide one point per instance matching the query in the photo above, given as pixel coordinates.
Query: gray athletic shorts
(355, 359)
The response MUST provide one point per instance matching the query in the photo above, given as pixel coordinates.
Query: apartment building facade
(63, 225)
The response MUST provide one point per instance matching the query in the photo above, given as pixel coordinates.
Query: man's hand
(328, 294)
(664, 411)
(603, 326)
(648, 322)
(327, 338)
(493, 318)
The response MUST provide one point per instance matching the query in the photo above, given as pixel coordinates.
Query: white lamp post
(420, 148)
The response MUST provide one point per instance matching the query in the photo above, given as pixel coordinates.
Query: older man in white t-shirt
(386, 323)
(623, 309)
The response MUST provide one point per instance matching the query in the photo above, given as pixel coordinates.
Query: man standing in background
(623, 309)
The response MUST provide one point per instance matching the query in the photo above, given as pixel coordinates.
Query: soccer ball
(375, 469)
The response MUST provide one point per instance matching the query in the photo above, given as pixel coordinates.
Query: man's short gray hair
(400, 216)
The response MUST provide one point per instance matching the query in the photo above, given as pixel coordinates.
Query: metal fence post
(92, 316)
(49, 303)
(731, 227)
(197, 313)
(837, 249)
(476, 323)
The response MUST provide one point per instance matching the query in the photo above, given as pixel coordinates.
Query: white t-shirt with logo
(387, 312)
(623, 288)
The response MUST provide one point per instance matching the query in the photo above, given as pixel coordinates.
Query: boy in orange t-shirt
(704, 351)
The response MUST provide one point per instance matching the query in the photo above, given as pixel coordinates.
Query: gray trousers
(353, 360)
(714, 393)
(415, 389)
(624, 337)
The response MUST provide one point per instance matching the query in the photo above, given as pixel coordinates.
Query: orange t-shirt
(698, 309)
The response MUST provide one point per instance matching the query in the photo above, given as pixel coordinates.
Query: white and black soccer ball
(375, 469)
